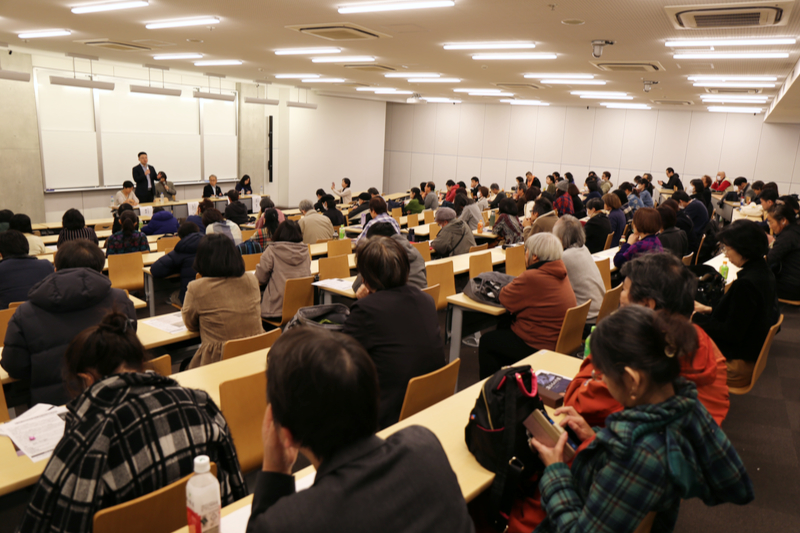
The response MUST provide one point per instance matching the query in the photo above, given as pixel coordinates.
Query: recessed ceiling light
(739, 85)
(323, 80)
(733, 100)
(599, 93)
(43, 33)
(573, 82)
(437, 100)
(95, 8)
(434, 80)
(560, 76)
(217, 62)
(301, 51)
(519, 56)
(733, 78)
(725, 109)
(177, 56)
(394, 6)
(745, 55)
(295, 76)
(614, 105)
(573, 22)
(729, 42)
(489, 46)
(523, 102)
(204, 21)
(602, 96)
(343, 59)
(412, 75)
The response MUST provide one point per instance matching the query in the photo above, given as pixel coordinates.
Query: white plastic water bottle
(112, 201)
(262, 190)
(203, 502)
(162, 197)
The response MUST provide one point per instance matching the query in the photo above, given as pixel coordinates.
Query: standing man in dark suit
(145, 176)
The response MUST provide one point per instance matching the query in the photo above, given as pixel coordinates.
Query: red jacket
(720, 186)
(451, 194)
(706, 369)
(539, 298)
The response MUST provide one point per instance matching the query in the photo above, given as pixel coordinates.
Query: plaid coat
(647, 459)
(126, 436)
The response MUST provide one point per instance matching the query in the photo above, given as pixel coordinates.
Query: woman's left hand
(549, 455)
(632, 238)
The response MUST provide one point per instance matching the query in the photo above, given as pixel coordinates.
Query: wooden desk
(459, 302)
(327, 292)
(461, 262)
(152, 337)
(610, 253)
(209, 377)
(716, 262)
(321, 248)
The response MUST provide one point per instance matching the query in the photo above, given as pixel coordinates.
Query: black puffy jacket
(179, 261)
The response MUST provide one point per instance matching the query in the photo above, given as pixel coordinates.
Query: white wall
(499, 142)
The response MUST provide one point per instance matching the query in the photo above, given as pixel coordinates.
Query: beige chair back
(608, 241)
(251, 261)
(430, 389)
(413, 220)
(429, 216)
(761, 362)
(14, 305)
(103, 226)
(166, 244)
(479, 248)
(571, 336)
(299, 293)
(434, 228)
(237, 347)
(247, 233)
(604, 266)
(160, 365)
(424, 249)
(339, 247)
(334, 267)
(699, 248)
(610, 303)
(125, 271)
(687, 259)
(4, 416)
(243, 402)
(167, 503)
(442, 274)
(433, 292)
(294, 217)
(480, 263)
(515, 260)
(397, 212)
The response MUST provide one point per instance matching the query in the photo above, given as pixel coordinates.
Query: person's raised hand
(549, 455)
(280, 453)
(575, 422)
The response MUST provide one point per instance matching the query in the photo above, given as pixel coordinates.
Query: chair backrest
(480, 263)
(125, 271)
(515, 260)
(610, 302)
(699, 249)
(424, 248)
(299, 293)
(294, 217)
(646, 525)
(4, 416)
(243, 402)
(433, 292)
(604, 266)
(247, 233)
(571, 336)
(608, 241)
(397, 218)
(484, 246)
(339, 247)
(160, 365)
(442, 274)
(334, 267)
(485, 215)
(167, 503)
(761, 362)
(434, 230)
(237, 347)
(430, 389)
(397, 212)
(428, 214)
(687, 259)
(14, 305)
(251, 261)
(167, 244)
(413, 220)
(103, 226)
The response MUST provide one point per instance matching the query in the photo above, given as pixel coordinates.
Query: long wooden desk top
(148, 259)
(461, 262)
(462, 300)
(152, 337)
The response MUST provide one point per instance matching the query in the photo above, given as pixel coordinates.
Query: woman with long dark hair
(129, 239)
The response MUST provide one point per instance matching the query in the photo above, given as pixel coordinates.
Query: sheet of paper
(336, 283)
(51, 249)
(236, 522)
(172, 323)
(37, 432)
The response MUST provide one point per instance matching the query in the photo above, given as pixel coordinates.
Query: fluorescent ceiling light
(394, 6)
(491, 94)
(739, 85)
(14, 75)
(43, 33)
(744, 55)
(733, 100)
(602, 96)
(343, 59)
(155, 90)
(724, 109)
(261, 101)
(214, 96)
(323, 80)
(573, 82)
(733, 78)
(614, 105)
(434, 80)
(295, 76)
(524, 102)
(217, 62)
(386, 91)
(303, 105)
(729, 42)
(489, 46)
(162, 57)
(84, 84)
(412, 75)
(737, 96)
(495, 91)
(96, 8)
(182, 23)
(301, 51)
(519, 55)
(598, 93)
(560, 76)
(437, 100)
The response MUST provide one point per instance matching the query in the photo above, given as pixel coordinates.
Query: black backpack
(710, 285)
(498, 440)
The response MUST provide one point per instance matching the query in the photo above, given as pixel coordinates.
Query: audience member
(474, 186)
(577, 203)
(19, 271)
(345, 193)
(605, 182)
(594, 189)
(467, 210)
(699, 192)
(616, 217)
(161, 223)
(320, 194)
(223, 304)
(22, 223)
(212, 189)
(643, 239)
(336, 217)
(721, 182)
(73, 226)
(76, 296)
(672, 239)
(644, 189)
(167, 188)
(598, 227)
(768, 199)
(417, 274)
(286, 258)
(180, 260)
(683, 223)
(784, 256)
(126, 195)
(315, 226)
(116, 226)
(550, 184)
(264, 235)
(532, 181)
(450, 195)
(674, 181)
(455, 237)
(236, 211)
(362, 206)
(506, 225)
(197, 218)
(243, 186)
(431, 198)
(128, 239)
(482, 200)
(267, 203)
(757, 187)
(695, 210)
(632, 196)
(215, 224)
(563, 204)
(745, 191)
(5, 219)
(378, 214)
(543, 218)
(415, 205)
(494, 203)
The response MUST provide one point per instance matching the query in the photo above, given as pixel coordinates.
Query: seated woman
(645, 191)
(482, 200)
(543, 218)
(224, 303)
(286, 258)
(127, 240)
(336, 217)
(671, 238)
(180, 260)
(506, 225)
(613, 208)
(243, 186)
(345, 193)
(455, 237)
(701, 193)
(468, 211)
(19, 271)
(400, 349)
(740, 322)
(563, 202)
(73, 226)
(632, 195)
(416, 204)
(594, 189)
(128, 432)
(265, 234)
(643, 239)
(597, 227)
(662, 448)
(197, 218)
(216, 224)
(267, 203)
(117, 226)
(784, 257)
(577, 203)
(537, 299)
(584, 276)
(22, 223)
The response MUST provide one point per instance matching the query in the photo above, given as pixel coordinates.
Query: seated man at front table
(363, 483)
(165, 187)
(126, 195)
(212, 189)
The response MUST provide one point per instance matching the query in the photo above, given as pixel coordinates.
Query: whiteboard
(176, 154)
(220, 155)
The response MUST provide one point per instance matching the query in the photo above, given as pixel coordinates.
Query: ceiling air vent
(672, 102)
(371, 68)
(339, 31)
(742, 15)
(119, 46)
(733, 91)
(629, 66)
(513, 86)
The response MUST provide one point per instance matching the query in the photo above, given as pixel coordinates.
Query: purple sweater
(629, 251)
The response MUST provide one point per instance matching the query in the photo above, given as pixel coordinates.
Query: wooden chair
(103, 226)
(247, 233)
(397, 212)
(237, 347)
(434, 228)
(789, 302)
(480, 248)
(160, 365)
(571, 336)
(428, 214)
(14, 305)
(339, 247)
(687, 259)
(442, 274)
(167, 244)
(480, 263)
(4, 416)
(397, 219)
(298, 293)
(761, 362)
(125, 271)
(424, 248)
(334, 267)
(699, 249)
(610, 302)
(604, 266)
(251, 261)
(294, 217)
(433, 292)
(320, 241)
(486, 214)
(646, 525)
(413, 220)
(515, 260)
(243, 402)
(608, 241)
(430, 389)
(167, 503)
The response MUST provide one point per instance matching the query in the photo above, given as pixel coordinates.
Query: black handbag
(710, 285)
